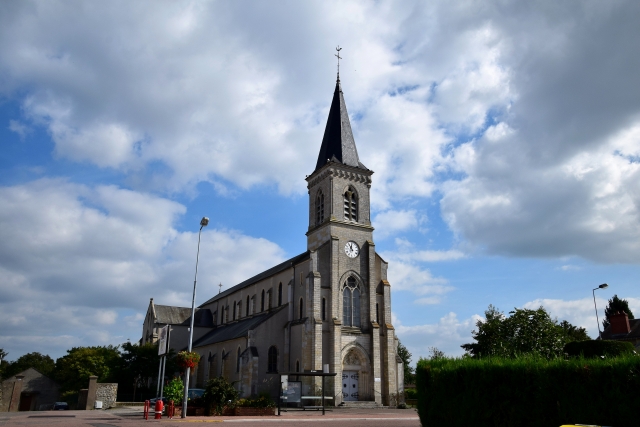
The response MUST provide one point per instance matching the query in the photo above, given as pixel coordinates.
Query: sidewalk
(132, 416)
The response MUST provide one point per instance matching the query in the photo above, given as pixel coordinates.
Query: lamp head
(603, 286)
(204, 221)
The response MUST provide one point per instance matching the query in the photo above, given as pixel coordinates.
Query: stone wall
(107, 394)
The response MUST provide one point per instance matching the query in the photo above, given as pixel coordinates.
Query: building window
(248, 301)
(238, 360)
(280, 294)
(215, 317)
(297, 366)
(262, 301)
(319, 208)
(350, 205)
(222, 315)
(253, 305)
(324, 309)
(226, 314)
(240, 310)
(351, 303)
(272, 365)
(377, 314)
(234, 311)
(300, 307)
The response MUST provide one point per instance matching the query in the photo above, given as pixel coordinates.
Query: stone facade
(107, 393)
(329, 306)
(28, 391)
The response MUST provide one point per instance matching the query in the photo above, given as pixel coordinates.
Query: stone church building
(327, 308)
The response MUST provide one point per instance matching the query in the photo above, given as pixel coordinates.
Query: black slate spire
(338, 144)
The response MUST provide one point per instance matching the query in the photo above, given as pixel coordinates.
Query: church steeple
(338, 144)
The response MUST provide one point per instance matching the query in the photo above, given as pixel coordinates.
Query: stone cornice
(333, 169)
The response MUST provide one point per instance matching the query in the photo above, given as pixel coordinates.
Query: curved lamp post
(603, 286)
(203, 223)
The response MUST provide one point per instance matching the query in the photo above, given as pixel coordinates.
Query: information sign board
(162, 340)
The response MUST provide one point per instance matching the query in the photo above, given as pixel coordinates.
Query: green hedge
(528, 391)
(598, 348)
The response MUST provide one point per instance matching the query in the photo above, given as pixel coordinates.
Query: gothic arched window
(350, 205)
(226, 314)
(301, 307)
(351, 303)
(262, 301)
(222, 315)
(272, 359)
(324, 309)
(234, 311)
(319, 208)
(238, 361)
(248, 300)
(280, 294)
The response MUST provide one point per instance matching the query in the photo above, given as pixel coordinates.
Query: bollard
(147, 404)
(159, 406)
(171, 409)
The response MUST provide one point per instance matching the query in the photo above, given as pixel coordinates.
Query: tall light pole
(603, 286)
(203, 223)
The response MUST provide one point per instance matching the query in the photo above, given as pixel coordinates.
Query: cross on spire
(220, 290)
(338, 49)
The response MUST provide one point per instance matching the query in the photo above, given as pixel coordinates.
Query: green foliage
(523, 332)
(528, 391)
(40, 362)
(405, 355)
(72, 371)
(616, 305)
(262, 401)
(598, 348)
(410, 393)
(218, 394)
(174, 390)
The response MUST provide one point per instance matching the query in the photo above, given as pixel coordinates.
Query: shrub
(528, 391)
(174, 390)
(410, 393)
(218, 394)
(262, 401)
(598, 348)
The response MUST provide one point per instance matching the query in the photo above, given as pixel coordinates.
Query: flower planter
(248, 412)
(195, 411)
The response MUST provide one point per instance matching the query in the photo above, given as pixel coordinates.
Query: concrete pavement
(132, 416)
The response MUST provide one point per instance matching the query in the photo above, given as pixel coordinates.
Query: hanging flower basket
(188, 359)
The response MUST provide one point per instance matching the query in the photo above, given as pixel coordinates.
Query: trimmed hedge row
(528, 391)
(598, 348)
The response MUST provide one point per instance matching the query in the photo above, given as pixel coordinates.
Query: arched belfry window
(351, 303)
(350, 205)
(319, 208)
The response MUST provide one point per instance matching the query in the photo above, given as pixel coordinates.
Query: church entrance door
(349, 386)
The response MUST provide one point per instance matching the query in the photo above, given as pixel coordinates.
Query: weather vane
(338, 49)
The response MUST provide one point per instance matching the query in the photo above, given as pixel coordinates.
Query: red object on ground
(171, 409)
(147, 404)
(159, 406)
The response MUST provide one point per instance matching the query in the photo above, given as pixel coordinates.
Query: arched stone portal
(355, 376)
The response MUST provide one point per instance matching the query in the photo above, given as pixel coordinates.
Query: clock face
(351, 249)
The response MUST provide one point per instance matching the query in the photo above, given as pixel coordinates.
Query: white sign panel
(162, 340)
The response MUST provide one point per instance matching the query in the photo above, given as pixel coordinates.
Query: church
(328, 308)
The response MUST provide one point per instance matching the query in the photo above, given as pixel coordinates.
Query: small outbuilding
(30, 390)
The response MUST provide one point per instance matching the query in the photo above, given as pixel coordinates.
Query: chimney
(619, 323)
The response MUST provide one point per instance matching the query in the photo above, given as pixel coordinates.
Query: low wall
(107, 393)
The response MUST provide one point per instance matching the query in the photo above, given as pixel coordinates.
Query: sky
(504, 136)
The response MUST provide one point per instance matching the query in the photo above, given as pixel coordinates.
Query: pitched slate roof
(338, 144)
(181, 316)
(237, 329)
(267, 273)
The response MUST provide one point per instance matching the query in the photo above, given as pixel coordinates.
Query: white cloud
(394, 221)
(448, 334)
(87, 260)
(21, 129)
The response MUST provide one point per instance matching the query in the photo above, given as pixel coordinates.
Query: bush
(174, 390)
(262, 401)
(528, 391)
(410, 393)
(598, 348)
(218, 394)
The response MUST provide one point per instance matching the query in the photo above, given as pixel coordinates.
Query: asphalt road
(126, 417)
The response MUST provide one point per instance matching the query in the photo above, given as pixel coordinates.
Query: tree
(616, 305)
(405, 355)
(73, 370)
(3, 354)
(523, 332)
(140, 366)
(40, 362)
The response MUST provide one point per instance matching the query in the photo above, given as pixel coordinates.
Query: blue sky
(504, 137)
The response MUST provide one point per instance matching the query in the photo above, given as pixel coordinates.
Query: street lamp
(603, 286)
(203, 223)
